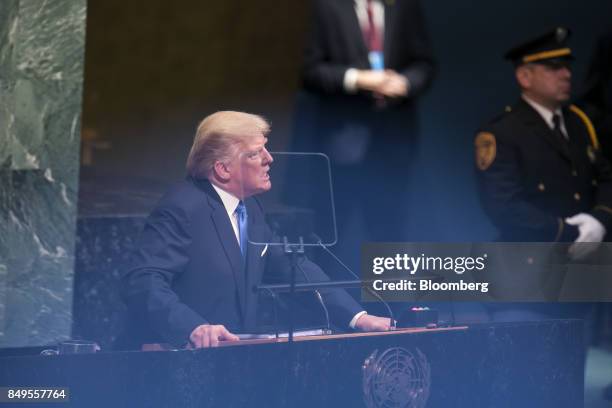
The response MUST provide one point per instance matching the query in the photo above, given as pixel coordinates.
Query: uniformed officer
(540, 170)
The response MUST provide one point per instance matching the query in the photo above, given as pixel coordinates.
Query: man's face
(549, 85)
(251, 166)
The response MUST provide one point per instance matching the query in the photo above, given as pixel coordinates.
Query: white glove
(589, 230)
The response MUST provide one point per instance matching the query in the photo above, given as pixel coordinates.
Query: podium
(503, 365)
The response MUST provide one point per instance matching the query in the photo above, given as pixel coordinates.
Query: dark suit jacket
(188, 270)
(335, 44)
(534, 183)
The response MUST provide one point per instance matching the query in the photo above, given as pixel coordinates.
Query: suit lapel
(254, 265)
(389, 29)
(540, 129)
(575, 128)
(348, 16)
(228, 239)
(575, 131)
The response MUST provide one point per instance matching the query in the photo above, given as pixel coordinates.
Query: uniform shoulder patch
(486, 149)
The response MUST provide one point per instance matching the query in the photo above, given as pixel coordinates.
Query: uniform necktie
(241, 214)
(557, 127)
(562, 139)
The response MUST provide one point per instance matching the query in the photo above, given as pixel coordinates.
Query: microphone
(274, 309)
(372, 292)
(319, 297)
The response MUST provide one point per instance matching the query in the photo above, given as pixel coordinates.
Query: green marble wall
(42, 46)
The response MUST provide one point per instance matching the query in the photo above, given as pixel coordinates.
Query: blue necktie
(241, 213)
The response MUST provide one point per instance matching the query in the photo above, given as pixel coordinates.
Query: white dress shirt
(378, 14)
(230, 202)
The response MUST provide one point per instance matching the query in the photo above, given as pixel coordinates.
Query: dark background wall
(155, 68)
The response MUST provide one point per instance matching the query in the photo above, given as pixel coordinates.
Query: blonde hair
(218, 138)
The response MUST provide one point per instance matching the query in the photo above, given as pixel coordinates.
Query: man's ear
(523, 76)
(221, 171)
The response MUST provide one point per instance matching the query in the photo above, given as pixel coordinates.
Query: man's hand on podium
(208, 335)
(368, 323)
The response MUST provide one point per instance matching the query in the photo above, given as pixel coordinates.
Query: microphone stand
(320, 298)
(393, 322)
(274, 298)
(292, 251)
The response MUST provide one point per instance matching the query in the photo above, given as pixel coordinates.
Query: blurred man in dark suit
(366, 63)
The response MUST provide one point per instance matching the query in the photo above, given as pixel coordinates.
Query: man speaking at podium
(190, 279)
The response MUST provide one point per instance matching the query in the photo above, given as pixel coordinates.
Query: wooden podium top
(341, 336)
(413, 330)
